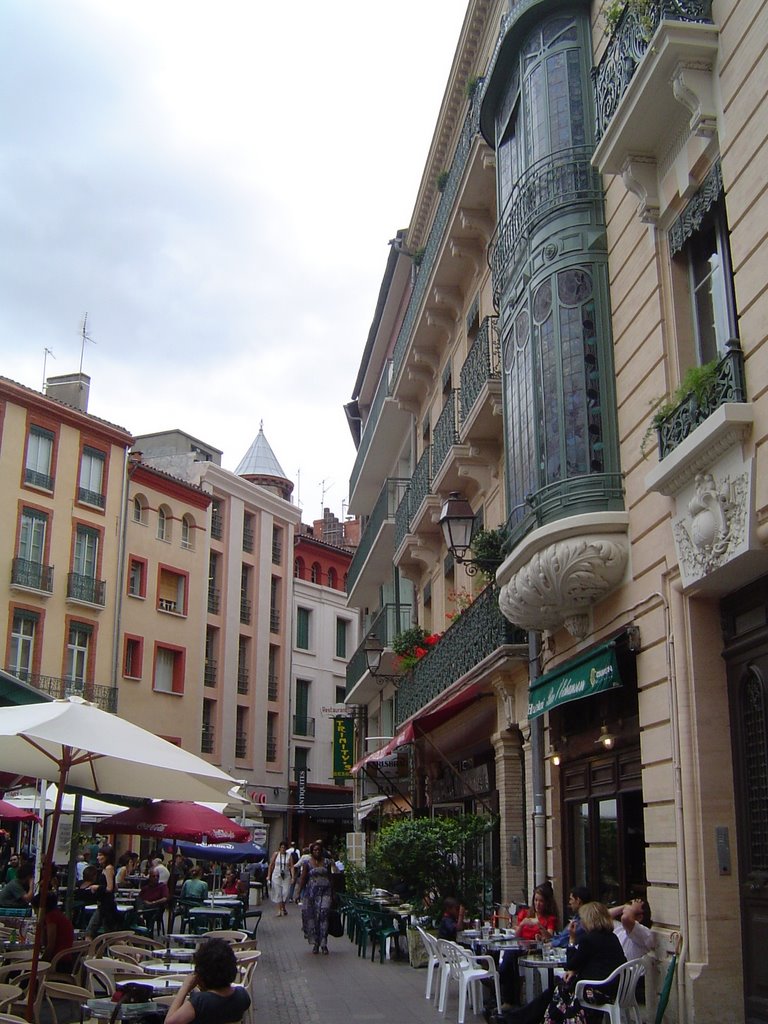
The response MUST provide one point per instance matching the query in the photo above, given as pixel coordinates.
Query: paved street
(295, 987)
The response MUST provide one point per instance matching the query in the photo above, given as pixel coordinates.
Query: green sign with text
(581, 677)
(343, 747)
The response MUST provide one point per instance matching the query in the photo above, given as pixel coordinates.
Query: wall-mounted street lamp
(606, 739)
(457, 520)
(373, 649)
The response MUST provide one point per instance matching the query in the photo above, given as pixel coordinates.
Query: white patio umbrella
(74, 743)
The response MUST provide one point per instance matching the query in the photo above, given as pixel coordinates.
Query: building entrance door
(746, 635)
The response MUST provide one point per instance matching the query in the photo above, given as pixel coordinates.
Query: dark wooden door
(747, 660)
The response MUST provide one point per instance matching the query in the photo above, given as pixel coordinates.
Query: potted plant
(488, 550)
(412, 645)
(698, 381)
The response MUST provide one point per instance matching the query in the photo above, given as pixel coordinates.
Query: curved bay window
(549, 264)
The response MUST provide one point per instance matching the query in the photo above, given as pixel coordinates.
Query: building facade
(325, 634)
(622, 227)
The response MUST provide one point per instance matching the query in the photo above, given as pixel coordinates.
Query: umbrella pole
(45, 880)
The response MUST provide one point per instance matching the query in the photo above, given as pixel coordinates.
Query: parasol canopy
(172, 819)
(10, 813)
(225, 853)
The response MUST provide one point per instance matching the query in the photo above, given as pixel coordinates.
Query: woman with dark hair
(318, 897)
(105, 916)
(59, 931)
(539, 921)
(208, 996)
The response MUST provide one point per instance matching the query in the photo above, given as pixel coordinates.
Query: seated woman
(597, 955)
(59, 931)
(539, 921)
(194, 888)
(208, 996)
(230, 886)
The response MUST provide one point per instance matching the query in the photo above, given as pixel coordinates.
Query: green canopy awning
(591, 673)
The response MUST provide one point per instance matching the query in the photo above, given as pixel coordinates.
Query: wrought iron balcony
(217, 524)
(479, 631)
(446, 433)
(728, 385)
(629, 44)
(551, 184)
(243, 681)
(277, 552)
(445, 209)
(476, 633)
(483, 363)
(271, 750)
(34, 575)
(91, 497)
(272, 687)
(574, 496)
(391, 620)
(207, 740)
(241, 745)
(210, 672)
(416, 492)
(41, 480)
(245, 610)
(247, 538)
(303, 726)
(105, 697)
(384, 510)
(274, 621)
(85, 588)
(214, 600)
(402, 518)
(383, 391)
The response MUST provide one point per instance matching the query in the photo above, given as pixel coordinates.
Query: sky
(214, 184)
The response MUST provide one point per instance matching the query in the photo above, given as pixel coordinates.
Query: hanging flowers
(412, 645)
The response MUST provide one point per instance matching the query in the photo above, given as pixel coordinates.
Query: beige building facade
(611, 181)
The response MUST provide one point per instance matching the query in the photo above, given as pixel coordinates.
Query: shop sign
(582, 677)
(343, 747)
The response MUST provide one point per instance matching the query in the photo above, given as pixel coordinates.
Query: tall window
(22, 650)
(301, 717)
(91, 489)
(241, 732)
(172, 591)
(86, 551)
(342, 626)
(140, 509)
(271, 753)
(163, 523)
(277, 545)
(38, 468)
(169, 670)
(187, 532)
(78, 644)
(273, 684)
(301, 760)
(316, 572)
(137, 577)
(302, 628)
(133, 656)
(34, 525)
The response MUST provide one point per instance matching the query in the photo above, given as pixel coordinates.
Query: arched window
(316, 572)
(298, 568)
(333, 578)
(140, 509)
(164, 523)
(187, 531)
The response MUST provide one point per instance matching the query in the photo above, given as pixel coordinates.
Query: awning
(365, 807)
(439, 710)
(591, 673)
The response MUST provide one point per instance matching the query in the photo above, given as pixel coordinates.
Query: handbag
(335, 926)
(564, 1006)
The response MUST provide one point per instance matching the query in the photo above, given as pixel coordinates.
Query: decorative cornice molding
(689, 221)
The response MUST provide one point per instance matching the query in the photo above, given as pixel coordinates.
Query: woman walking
(280, 877)
(315, 885)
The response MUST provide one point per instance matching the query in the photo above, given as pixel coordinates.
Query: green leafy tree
(435, 857)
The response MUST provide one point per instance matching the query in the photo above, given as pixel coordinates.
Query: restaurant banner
(592, 673)
(343, 747)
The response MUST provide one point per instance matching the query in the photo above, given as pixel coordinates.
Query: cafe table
(546, 968)
(210, 917)
(163, 967)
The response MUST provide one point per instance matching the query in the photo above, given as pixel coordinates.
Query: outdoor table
(530, 966)
(183, 939)
(161, 967)
(212, 916)
(177, 954)
(103, 1009)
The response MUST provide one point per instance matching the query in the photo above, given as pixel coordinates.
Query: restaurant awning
(593, 672)
(439, 710)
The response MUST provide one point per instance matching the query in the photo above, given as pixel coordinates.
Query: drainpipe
(537, 768)
(131, 460)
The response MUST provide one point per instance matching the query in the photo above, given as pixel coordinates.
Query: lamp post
(457, 521)
(373, 649)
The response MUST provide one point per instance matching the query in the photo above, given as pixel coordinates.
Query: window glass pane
(164, 664)
(32, 536)
(302, 698)
(92, 471)
(302, 628)
(608, 878)
(39, 450)
(341, 638)
(77, 653)
(86, 549)
(581, 845)
(22, 644)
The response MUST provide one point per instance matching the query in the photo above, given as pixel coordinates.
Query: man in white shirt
(163, 874)
(632, 925)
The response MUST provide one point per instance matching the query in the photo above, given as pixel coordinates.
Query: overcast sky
(215, 184)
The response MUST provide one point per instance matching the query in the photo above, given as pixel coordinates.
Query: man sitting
(577, 897)
(19, 891)
(152, 899)
(632, 925)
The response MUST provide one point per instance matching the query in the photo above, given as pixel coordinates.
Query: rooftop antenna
(344, 507)
(298, 487)
(85, 337)
(323, 491)
(48, 352)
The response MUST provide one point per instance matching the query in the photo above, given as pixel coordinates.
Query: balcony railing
(483, 363)
(384, 509)
(245, 610)
(271, 750)
(303, 726)
(168, 604)
(91, 497)
(473, 636)
(403, 518)
(391, 620)
(383, 391)
(243, 681)
(104, 697)
(214, 600)
(553, 183)
(217, 524)
(728, 386)
(629, 44)
(272, 687)
(85, 588)
(445, 209)
(206, 739)
(277, 552)
(25, 573)
(247, 538)
(241, 745)
(41, 480)
(274, 621)
(578, 495)
(446, 433)
(210, 672)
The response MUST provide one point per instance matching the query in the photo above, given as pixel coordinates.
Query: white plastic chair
(102, 971)
(435, 962)
(624, 1008)
(468, 971)
(9, 994)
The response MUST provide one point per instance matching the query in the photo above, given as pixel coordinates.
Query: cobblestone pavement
(293, 986)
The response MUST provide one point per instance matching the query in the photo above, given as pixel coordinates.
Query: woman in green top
(194, 888)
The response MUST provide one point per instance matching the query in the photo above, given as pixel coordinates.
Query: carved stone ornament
(714, 529)
(560, 583)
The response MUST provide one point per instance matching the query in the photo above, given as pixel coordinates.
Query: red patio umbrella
(172, 819)
(10, 813)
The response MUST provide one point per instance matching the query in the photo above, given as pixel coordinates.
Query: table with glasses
(160, 967)
(545, 967)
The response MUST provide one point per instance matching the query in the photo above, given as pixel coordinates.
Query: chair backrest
(228, 934)
(69, 962)
(50, 990)
(102, 942)
(628, 974)
(103, 971)
(454, 956)
(430, 942)
(11, 1018)
(9, 994)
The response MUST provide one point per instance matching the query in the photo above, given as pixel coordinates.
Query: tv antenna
(85, 337)
(324, 488)
(48, 352)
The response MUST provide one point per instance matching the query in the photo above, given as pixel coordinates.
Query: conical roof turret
(260, 466)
